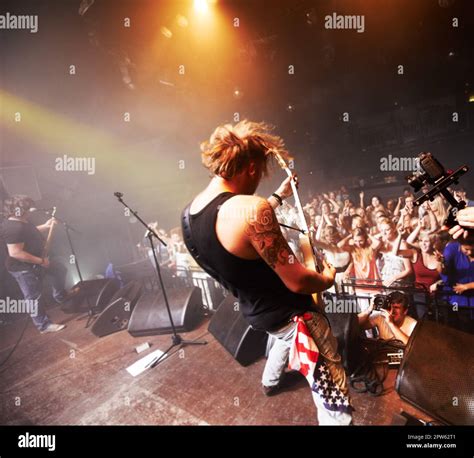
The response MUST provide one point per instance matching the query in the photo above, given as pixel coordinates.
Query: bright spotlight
(201, 6)
(237, 93)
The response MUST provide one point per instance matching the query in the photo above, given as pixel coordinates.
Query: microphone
(44, 210)
(118, 194)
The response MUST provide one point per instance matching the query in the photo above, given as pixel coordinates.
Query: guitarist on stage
(235, 236)
(25, 243)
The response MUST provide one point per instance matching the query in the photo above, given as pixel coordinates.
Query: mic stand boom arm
(176, 339)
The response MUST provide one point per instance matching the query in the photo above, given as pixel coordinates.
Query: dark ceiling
(135, 70)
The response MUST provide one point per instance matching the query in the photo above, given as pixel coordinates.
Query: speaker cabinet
(233, 332)
(116, 316)
(106, 294)
(150, 316)
(437, 373)
(90, 294)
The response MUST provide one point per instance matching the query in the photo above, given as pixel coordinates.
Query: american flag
(304, 357)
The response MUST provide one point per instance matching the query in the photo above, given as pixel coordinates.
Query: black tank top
(265, 301)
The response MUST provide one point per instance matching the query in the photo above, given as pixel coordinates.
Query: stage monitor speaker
(345, 327)
(116, 315)
(87, 294)
(437, 373)
(231, 330)
(150, 316)
(111, 287)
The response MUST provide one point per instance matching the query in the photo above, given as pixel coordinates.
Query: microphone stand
(68, 229)
(176, 339)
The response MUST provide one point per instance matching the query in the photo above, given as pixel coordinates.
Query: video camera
(434, 174)
(381, 301)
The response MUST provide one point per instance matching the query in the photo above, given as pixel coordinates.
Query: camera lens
(379, 301)
(416, 181)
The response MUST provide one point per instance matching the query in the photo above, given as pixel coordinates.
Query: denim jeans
(57, 273)
(31, 285)
(277, 361)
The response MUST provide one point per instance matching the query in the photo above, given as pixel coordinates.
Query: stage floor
(43, 384)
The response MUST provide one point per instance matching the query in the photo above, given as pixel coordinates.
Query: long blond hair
(231, 148)
(439, 209)
(365, 253)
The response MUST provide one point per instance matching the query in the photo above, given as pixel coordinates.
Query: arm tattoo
(265, 235)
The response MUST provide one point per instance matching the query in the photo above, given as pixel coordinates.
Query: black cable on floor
(16, 345)
(367, 378)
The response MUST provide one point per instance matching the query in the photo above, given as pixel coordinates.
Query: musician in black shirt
(25, 243)
(236, 238)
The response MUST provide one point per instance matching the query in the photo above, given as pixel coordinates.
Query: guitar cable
(293, 228)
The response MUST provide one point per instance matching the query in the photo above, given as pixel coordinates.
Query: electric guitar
(312, 256)
(47, 244)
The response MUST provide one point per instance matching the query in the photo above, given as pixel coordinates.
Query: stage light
(166, 83)
(201, 6)
(446, 3)
(84, 6)
(182, 20)
(471, 98)
(237, 93)
(166, 32)
(311, 17)
(125, 64)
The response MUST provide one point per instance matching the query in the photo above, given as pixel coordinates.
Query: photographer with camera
(389, 315)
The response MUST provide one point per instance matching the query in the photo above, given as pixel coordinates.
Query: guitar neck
(311, 256)
(47, 244)
(303, 222)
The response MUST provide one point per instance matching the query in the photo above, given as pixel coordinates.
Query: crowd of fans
(173, 255)
(376, 246)
(379, 246)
